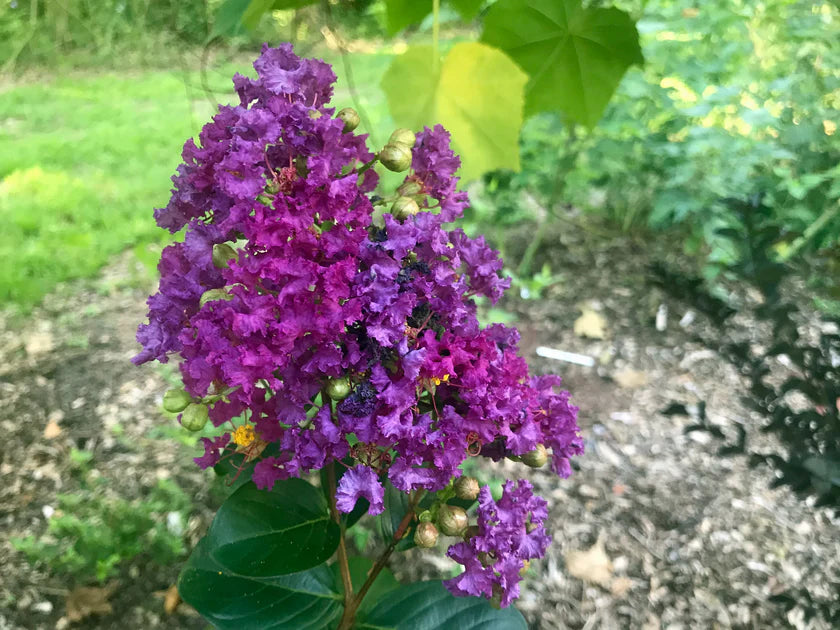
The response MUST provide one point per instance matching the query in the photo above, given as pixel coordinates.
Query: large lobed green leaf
(429, 606)
(477, 93)
(299, 601)
(260, 533)
(575, 57)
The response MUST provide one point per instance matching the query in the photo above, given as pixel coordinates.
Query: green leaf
(228, 21)
(575, 57)
(256, 9)
(402, 13)
(233, 17)
(300, 601)
(477, 94)
(429, 606)
(384, 583)
(262, 533)
(396, 505)
(467, 9)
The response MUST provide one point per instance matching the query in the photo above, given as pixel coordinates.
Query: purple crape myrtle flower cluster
(510, 534)
(313, 327)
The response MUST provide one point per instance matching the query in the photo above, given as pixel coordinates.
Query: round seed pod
(195, 416)
(453, 520)
(350, 117)
(395, 157)
(404, 207)
(426, 535)
(403, 136)
(339, 388)
(176, 400)
(536, 458)
(409, 189)
(467, 488)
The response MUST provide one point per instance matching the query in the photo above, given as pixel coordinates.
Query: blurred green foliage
(58, 32)
(734, 99)
(90, 534)
(83, 160)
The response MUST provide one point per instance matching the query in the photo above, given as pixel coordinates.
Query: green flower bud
(350, 117)
(213, 295)
(453, 520)
(426, 535)
(222, 253)
(176, 400)
(536, 458)
(195, 416)
(403, 136)
(466, 488)
(425, 516)
(404, 207)
(339, 388)
(409, 189)
(395, 157)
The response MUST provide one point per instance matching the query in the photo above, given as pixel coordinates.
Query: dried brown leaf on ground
(52, 430)
(630, 379)
(591, 565)
(171, 599)
(591, 324)
(84, 601)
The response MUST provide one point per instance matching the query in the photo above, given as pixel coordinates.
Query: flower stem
(351, 607)
(343, 564)
(435, 33)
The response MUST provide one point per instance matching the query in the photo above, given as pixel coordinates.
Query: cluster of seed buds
(441, 517)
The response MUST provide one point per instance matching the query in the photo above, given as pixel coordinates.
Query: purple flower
(317, 290)
(510, 532)
(212, 451)
(357, 482)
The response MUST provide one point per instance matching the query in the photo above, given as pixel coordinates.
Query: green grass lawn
(85, 158)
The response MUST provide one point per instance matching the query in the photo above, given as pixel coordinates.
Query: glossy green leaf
(396, 505)
(575, 57)
(300, 601)
(429, 606)
(262, 533)
(477, 94)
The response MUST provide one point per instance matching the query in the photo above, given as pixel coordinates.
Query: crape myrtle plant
(322, 328)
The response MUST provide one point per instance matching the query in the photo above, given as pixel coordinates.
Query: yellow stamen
(244, 435)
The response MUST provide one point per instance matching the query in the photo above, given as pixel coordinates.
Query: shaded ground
(691, 540)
